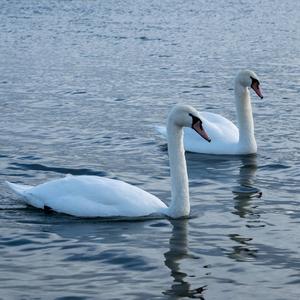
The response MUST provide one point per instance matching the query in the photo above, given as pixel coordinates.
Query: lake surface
(82, 83)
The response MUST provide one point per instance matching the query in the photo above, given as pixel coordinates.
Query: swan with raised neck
(227, 138)
(93, 196)
(180, 116)
(244, 80)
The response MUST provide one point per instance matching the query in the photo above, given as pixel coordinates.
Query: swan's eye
(254, 81)
(195, 120)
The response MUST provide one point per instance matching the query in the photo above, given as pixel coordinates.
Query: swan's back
(220, 128)
(92, 196)
(223, 133)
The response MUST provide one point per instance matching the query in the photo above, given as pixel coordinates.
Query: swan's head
(187, 116)
(248, 78)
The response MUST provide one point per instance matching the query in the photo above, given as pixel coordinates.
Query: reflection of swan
(178, 251)
(243, 251)
(246, 189)
(92, 196)
(227, 138)
(243, 193)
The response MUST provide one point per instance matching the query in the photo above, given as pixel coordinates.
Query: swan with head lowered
(227, 138)
(93, 196)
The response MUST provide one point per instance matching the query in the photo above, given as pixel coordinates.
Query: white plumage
(92, 196)
(226, 137)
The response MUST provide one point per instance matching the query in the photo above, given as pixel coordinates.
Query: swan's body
(92, 196)
(226, 137)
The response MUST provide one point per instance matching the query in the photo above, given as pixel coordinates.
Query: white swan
(227, 138)
(92, 196)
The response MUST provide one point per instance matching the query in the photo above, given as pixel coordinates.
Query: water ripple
(40, 167)
(83, 83)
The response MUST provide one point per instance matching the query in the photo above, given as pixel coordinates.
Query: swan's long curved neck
(245, 118)
(180, 203)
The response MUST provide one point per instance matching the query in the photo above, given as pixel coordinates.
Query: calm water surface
(81, 85)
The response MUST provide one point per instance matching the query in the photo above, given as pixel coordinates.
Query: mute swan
(92, 196)
(227, 138)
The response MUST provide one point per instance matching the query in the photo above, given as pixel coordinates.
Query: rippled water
(81, 85)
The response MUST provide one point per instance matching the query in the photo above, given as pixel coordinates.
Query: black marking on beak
(256, 88)
(254, 81)
(197, 126)
(195, 120)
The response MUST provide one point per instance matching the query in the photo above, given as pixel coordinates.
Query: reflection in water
(245, 189)
(178, 251)
(243, 193)
(243, 251)
(220, 170)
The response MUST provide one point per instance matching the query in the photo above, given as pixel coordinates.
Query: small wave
(78, 92)
(40, 167)
(29, 157)
(160, 224)
(15, 242)
(13, 207)
(201, 86)
(246, 190)
(274, 167)
(144, 38)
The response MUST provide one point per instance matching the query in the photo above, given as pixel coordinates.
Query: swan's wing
(223, 133)
(162, 130)
(92, 196)
(24, 191)
(217, 119)
(219, 127)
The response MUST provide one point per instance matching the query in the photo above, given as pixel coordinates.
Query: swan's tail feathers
(27, 195)
(19, 189)
(162, 130)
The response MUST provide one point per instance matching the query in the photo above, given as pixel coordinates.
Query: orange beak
(200, 130)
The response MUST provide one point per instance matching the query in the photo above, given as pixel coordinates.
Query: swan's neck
(245, 119)
(180, 203)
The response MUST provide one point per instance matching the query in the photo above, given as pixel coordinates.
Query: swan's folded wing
(26, 195)
(220, 128)
(162, 130)
(223, 133)
(92, 196)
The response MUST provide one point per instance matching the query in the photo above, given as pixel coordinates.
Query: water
(83, 82)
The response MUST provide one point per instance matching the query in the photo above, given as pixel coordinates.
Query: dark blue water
(81, 85)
